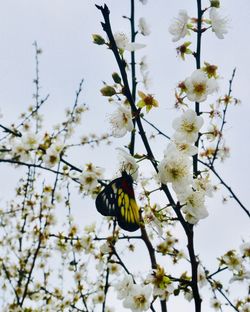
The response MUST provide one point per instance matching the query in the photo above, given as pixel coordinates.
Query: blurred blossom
(138, 298)
(245, 249)
(178, 29)
(219, 24)
(215, 304)
(143, 64)
(124, 287)
(143, 27)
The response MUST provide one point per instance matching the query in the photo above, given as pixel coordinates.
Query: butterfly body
(117, 199)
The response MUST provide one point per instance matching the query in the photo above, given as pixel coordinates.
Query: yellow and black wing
(118, 199)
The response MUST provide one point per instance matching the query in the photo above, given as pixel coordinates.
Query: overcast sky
(63, 30)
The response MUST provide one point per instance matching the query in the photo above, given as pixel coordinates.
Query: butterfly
(117, 199)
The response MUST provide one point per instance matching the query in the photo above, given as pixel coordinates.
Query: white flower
(114, 268)
(89, 181)
(138, 298)
(164, 293)
(240, 276)
(121, 121)
(89, 177)
(202, 279)
(175, 168)
(194, 205)
(179, 26)
(246, 307)
(105, 248)
(30, 141)
(124, 287)
(245, 249)
(232, 260)
(143, 64)
(187, 126)
(219, 24)
(99, 297)
(212, 132)
(123, 42)
(19, 150)
(223, 152)
(51, 158)
(203, 184)
(199, 86)
(186, 148)
(215, 303)
(127, 163)
(143, 27)
(146, 80)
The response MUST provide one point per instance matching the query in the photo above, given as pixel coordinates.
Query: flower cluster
(89, 178)
(176, 167)
(183, 24)
(135, 297)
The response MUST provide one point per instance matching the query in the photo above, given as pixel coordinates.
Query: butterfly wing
(117, 199)
(106, 200)
(127, 212)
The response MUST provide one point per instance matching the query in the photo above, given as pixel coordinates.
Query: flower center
(140, 300)
(199, 88)
(188, 127)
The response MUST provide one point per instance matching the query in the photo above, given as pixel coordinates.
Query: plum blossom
(198, 86)
(30, 141)
(246, 307)
(138, 298)
(146, 80)
(143, 64)
(143, 27)
(185, 148)
(123, 42)
(147, 100)
(162, 283)
(219, 24)
(203, 184)
(215, 303)
(232, 260)
(175, 168)
(194, 205)
(124, 287)
(121, 121)
(187, 126)
(89, 177)
(99, 297)
(240, 276)
(178, 29)
(202, 279)
(52, 156)
(127, 162)
(245, 249)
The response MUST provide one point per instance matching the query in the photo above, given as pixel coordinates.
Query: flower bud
(108, 91)
(215, 3)
(97, 39)
(116, 78)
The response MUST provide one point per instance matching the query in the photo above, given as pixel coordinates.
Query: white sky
(63, 30)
